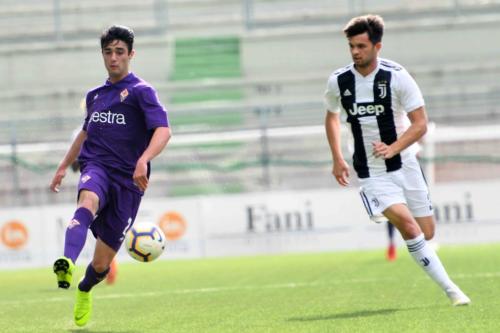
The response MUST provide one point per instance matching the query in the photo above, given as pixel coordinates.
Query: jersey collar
(123, 82)
(369, 76)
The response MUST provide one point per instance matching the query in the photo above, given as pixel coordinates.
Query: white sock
(426, 257)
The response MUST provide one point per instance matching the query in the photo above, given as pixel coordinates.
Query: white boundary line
(288, 285)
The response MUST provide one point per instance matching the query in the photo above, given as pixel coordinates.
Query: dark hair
(118, 32)
(372, 24)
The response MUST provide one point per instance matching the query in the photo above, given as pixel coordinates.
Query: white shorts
(406, 185)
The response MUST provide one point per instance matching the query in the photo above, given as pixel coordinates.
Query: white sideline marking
(289, 285)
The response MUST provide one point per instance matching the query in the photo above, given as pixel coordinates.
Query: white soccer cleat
(457, 297)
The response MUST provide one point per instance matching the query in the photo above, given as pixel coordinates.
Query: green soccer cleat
(83, 307)
(64, 267)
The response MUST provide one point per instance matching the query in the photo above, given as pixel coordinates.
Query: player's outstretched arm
(70, 156)
(340, 167)
(160, 138)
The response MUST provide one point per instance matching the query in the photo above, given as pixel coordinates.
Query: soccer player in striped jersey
(386, 113)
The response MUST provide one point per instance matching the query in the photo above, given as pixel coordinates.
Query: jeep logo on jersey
(107, 118)
(366, 110)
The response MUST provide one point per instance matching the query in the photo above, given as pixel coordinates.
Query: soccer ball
(145, 241)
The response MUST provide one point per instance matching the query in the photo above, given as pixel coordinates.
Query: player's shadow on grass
(89, 330)
(356, 314)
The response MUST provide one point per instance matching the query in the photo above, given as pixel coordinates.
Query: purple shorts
(118, 205)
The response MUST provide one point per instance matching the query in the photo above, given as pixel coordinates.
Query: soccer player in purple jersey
(125, 128)
(387, 116)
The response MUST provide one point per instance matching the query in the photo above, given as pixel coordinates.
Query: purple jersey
(120, 122)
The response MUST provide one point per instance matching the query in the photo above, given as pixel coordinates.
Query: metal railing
(260, 159)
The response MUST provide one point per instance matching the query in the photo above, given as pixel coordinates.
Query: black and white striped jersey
(376, 106)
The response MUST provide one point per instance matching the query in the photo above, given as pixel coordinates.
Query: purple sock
(91, 278)
(76, 233)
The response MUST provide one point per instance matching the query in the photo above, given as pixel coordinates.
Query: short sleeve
(154, 112)
(332, 95)
(410, 96)
(87, 116)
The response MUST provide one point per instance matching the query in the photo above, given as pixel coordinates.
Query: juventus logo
(425, 261)
(382, 86)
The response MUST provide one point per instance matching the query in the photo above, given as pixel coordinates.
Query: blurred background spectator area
(243, 81)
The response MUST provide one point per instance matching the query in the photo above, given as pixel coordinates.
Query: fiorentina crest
(123, 95)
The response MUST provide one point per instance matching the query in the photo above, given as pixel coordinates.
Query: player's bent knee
(409, 230)
(89, 200)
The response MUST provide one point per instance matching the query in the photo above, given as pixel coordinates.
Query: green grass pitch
(327, 292)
